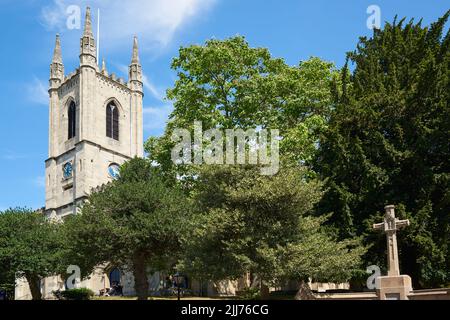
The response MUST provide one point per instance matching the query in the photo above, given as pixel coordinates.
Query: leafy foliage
(136, 221)
(227, 84)
(75, 294)
(30, 247)
(388, 143)
(262, 225)
(249, 223)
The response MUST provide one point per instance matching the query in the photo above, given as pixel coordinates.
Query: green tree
(227, 84)
(7, 277)
(30, 247)
(263, 225)
(388, 143)
(7, 281)
(134, 222)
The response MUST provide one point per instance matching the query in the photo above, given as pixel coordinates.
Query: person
(113, 290)
(119, 289)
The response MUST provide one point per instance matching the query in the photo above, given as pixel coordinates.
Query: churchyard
(270, 181)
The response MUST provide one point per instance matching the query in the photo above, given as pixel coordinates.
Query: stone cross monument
(393, 286)
(390, 226)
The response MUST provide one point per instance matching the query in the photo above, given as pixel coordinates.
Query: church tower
(95, 125)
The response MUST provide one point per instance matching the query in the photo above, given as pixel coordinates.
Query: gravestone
(394, 286)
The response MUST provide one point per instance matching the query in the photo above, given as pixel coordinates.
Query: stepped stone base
(394, 287)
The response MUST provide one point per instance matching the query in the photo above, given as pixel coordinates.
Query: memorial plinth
(393, 286)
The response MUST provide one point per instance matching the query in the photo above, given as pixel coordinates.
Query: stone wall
(429, 294)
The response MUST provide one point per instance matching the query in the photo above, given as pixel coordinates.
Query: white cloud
(37, 91)
(152, 88)
(155, 118)
(154, 21)
(53, 17)
(155, 91)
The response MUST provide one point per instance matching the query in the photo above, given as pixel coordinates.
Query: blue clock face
(67, 170)
(114, 171)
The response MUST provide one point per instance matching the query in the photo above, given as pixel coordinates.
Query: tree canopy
(388, 143)
(30, 247)
(227, 84)
(135, 222)
(247, 222)
(263, 225)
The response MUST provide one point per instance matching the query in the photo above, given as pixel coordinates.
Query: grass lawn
(163, 298)
(283, 296)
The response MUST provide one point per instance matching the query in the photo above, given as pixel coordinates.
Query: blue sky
(292, 29)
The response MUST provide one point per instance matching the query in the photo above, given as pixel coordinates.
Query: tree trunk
(264, 291)
(34, 284)
(304, 292)
(140, 277)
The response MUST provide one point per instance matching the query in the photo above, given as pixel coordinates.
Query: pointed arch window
(72, 120)
(112, 121)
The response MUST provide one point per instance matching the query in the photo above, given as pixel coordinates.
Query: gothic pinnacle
(135, 59)
(88, 24)
(57, 55)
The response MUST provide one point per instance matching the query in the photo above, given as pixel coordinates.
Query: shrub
(249, 294)
(74, 294)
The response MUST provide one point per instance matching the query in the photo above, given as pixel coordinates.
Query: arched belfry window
(72, 119)
(112, 121)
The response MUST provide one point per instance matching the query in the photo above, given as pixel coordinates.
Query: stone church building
(95, 125)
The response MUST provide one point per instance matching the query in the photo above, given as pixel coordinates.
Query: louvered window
(112, 121)
(72, 120)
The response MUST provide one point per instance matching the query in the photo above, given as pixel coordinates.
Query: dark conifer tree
(389, 143)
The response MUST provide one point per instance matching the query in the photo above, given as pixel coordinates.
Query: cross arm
(402, 223)
(379, 226)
